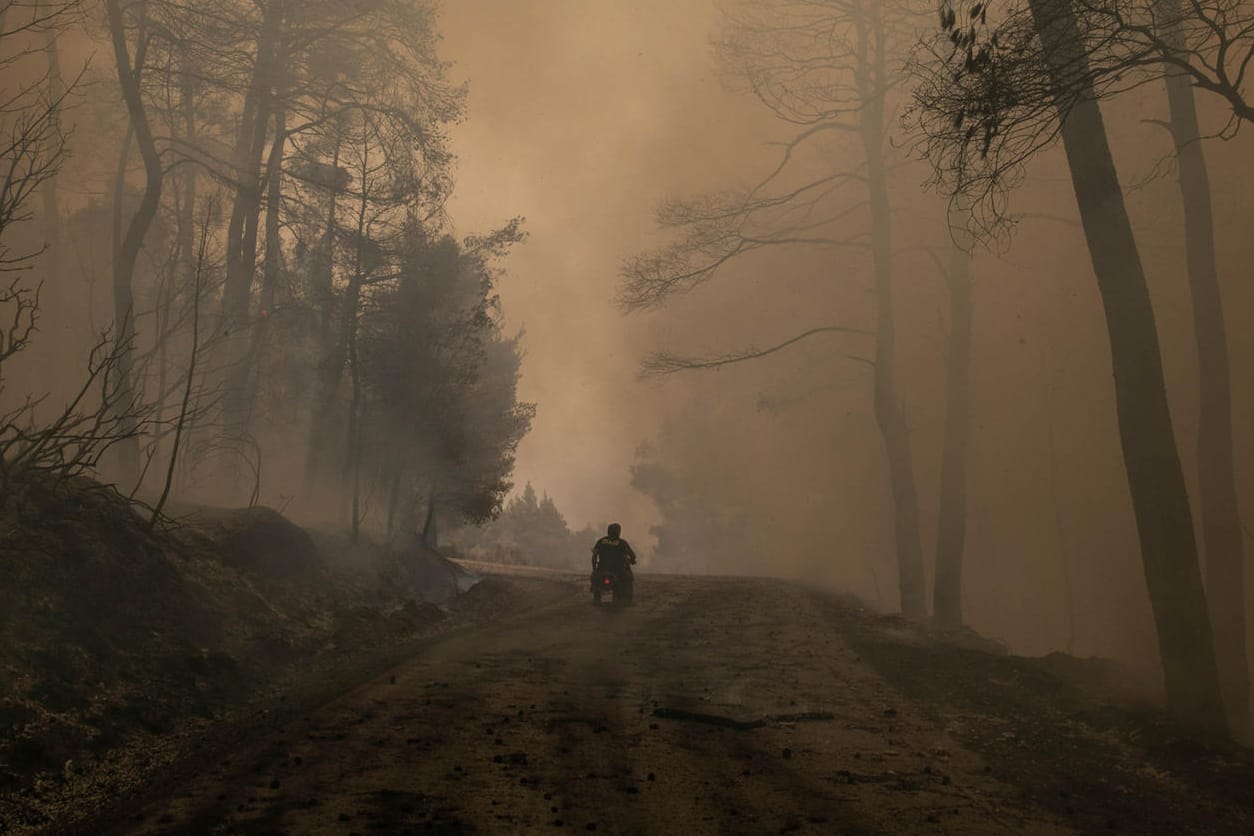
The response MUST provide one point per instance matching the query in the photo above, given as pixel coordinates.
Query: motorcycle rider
(613, 555)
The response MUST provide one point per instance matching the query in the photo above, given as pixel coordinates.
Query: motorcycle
(619, 586)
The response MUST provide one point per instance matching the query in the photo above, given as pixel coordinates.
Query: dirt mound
(260, 542)
(86, 602)
(109, 629)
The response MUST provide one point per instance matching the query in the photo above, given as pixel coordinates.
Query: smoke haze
(584, 116)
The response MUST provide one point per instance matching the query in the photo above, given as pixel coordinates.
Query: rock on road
(715, 705)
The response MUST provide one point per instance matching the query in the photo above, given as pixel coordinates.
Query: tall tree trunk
(242, 237)
(1060, 529)
(352, 465)
(241, 397)
(274, 205)
(250, 146)
(889, 415)
(951, 529)
(352, 461)
(187, 206)
(128, 250)
(51, 209)
(1159, 498)
(1221, 523)
(331, 361)
(188, 276)
(181, 421)
(119, 191)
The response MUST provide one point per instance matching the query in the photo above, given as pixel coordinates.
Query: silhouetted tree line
(530, 531)
(242, 206)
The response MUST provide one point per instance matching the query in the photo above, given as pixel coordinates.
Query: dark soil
(1070, 734)
(113, 636)
(715, 705)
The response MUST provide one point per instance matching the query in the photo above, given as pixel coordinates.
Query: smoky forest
(634, 416)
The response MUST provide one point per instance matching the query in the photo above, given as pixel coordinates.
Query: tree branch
(663, 363)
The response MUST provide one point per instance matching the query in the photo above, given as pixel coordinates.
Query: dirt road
(712, 706)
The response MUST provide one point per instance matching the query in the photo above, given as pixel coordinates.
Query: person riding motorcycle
(613, 555)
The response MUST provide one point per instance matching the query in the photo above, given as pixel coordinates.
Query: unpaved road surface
(712, 706)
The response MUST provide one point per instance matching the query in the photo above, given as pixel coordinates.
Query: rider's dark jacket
(612, 554)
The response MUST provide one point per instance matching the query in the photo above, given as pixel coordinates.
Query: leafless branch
(663, 363)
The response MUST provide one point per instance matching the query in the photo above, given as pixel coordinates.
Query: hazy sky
(582, 115)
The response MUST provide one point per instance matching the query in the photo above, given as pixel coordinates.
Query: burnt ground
(124, 645)
(713, 706)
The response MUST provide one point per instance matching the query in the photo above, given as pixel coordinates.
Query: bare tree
(984, 113)
(951, 523)
(185, 406)
(1221, 523)
(129, 78)
(39, 457)
(1207, 45)
(830, 69)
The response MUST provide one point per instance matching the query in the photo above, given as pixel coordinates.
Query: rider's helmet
(615, 530)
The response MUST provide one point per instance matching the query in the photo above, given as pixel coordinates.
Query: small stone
(650, 777)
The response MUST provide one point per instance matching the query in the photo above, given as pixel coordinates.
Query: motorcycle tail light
(606, 581)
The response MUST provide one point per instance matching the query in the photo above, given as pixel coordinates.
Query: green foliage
(441, 379)
(531, 530)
